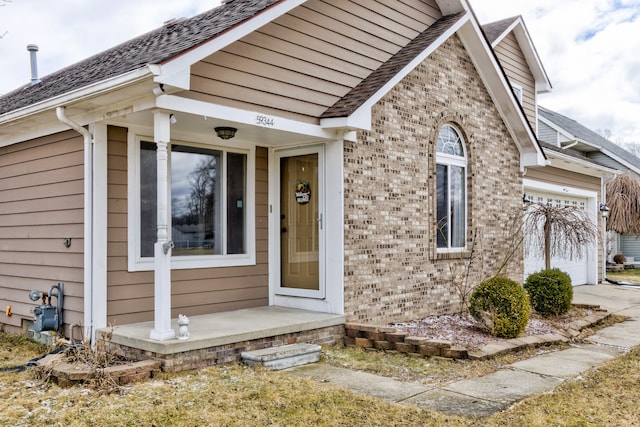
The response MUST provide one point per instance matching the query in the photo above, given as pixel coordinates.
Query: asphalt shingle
(153, 47)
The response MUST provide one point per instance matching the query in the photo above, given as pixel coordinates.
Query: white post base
(159, 335)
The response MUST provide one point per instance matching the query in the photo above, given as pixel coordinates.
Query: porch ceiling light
(604, 210)
(225, 132)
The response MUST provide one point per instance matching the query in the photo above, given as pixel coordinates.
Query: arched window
(451, 179)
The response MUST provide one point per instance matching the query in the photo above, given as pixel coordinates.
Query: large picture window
(209, 206)
(451, 178)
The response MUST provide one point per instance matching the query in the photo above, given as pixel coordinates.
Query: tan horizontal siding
(517, 69)
(325, 47)
(41, 204)
(565, 178)
(195, 291)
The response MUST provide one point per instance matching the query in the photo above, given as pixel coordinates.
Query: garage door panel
(576, 268)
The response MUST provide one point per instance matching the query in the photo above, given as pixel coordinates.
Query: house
(567, 134)
(569, 179)
(282, 156)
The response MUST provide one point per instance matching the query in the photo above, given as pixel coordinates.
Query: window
(210, 212)
(517, 91)
(451, 178)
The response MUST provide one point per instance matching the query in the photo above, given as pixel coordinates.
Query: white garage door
(576, 267)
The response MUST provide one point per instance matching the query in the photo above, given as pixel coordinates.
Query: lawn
(631, 276)
(234, 395)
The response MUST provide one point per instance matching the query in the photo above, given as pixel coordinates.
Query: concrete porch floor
(220, 329)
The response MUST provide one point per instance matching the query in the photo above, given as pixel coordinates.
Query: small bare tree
(558, 231)
(623, 199)
(469, 268)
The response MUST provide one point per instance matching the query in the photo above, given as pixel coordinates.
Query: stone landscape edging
(390, 340)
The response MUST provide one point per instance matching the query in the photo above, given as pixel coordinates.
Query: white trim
(521, 33)
(90, 91)
(591, 208)
(498, 87)
(137, 263)
(361, 118)
(186, 59)
(520, 90)
(100, 212)
(299, 151)
(570, 136)
(446, 159)
(221, 112)
(334, 235)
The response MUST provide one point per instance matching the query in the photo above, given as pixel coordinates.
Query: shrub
(550, 292)
(501, 306)
(618, 259)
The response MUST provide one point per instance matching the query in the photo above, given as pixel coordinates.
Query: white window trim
(451, 160)
(137, 263)
(519, 94)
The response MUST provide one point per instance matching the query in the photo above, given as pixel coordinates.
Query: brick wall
(219, 354)
(392, 269)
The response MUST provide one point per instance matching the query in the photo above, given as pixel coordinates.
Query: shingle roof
(587, 135)
(494, 30)
(376, 80)
(571, 153)
(151, 48)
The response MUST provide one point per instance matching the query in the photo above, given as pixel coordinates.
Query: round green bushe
(501, 306)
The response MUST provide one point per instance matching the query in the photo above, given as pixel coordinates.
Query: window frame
(138, 263)
(449, 160)
(518, 92)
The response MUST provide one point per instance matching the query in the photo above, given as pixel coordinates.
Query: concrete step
(282, 357)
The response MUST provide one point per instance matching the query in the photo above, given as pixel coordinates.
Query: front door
(300, 209)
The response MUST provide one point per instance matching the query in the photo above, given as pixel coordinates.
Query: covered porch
(221, 337)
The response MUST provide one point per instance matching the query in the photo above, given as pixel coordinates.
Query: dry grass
(434, 371)
(235, 395)
(632, 276)
(16, 350)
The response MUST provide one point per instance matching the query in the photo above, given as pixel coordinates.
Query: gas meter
(46, 316)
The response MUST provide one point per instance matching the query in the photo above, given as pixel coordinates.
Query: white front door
(300, 209)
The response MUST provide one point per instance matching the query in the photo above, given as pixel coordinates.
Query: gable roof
(576, 131)
(348, 104)
(495, 32)
(153, 47)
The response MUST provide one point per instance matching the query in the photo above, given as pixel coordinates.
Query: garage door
(576, 267)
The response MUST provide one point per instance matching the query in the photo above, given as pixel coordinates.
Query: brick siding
(392, 269)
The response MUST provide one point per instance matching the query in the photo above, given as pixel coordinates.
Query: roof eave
(521, 33)
(90, 91)
(585, 164)
(174, 68)
(360, 119)
(499, 88)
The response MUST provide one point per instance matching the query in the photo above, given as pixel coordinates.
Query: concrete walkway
(497, 391)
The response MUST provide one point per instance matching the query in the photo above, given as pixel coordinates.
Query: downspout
(89, 330)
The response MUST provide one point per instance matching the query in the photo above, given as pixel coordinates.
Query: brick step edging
(388, 339)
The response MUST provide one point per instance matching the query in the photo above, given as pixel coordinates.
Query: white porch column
(162, 249)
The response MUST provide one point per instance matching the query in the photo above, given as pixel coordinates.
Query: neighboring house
(568, 179)
(568, 135)
(363, 146)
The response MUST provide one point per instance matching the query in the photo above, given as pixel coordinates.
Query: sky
(589, 48)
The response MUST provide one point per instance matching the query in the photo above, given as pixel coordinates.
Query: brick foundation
(215, 355)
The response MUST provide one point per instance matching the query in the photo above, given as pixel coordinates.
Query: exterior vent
(33, 49)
